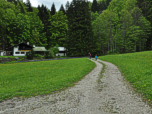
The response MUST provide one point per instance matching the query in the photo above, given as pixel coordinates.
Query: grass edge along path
(110, 110)
(91, 66)
(130, 85)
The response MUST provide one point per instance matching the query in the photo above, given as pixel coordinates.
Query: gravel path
(86, 97)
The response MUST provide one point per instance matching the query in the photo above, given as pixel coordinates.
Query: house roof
(61, 48)
(39, 49)
(19, 44)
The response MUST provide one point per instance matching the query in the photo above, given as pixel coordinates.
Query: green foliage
(53, 10)
(38, 56)
(55, 49)
(30, 55)
(58, 29)
(94, 7)
(49, 55)
(79, 40)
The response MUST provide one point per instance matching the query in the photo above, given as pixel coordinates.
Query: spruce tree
(67, 5)
(79, 39)
(28, 5)
(47, 24)
(94, 6)
(108, 2)
(53, 10)
(62, 9)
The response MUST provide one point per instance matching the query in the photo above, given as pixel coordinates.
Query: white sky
(48, 3)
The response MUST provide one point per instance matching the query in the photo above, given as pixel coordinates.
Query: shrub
(30, 55)
(38, 56)
(49, 54)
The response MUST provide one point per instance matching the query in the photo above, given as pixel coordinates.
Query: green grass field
(11, 56)
(43, 77)
(25, 56)
(136, 68)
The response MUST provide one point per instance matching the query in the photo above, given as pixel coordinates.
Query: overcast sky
(48, 3)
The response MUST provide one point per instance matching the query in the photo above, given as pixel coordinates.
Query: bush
(49, 54)
(30, 55)
(38, 56)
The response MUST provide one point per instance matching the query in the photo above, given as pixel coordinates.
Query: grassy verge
(25, 56)
(20, 58)
(136, 69)
(103, 70)
(41, 78)
(11, 56)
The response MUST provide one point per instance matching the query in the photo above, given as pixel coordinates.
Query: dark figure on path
(96, 57)
(89, 54)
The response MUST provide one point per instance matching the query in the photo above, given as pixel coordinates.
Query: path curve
(86, 97)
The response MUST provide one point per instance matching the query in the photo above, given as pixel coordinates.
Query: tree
(79, 39)
(7, 14)
(94, 16)
(23, 7)
(94, 6)
(58, 29)
(29, 7)
(67, 6)
(36, 26)
(62, 9)
(53, 10)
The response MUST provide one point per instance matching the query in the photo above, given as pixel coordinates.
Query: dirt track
(86, 97)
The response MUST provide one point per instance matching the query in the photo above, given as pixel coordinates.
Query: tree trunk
(102, 49)
(140, 44)
(110, 36)
(135, 44)
(124, 37)
(108, 46)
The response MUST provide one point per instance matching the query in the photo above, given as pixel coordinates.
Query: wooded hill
(101, 27)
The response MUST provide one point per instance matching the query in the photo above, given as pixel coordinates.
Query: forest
(100, 27)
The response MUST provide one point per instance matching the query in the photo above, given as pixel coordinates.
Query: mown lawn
(137, 69)
(43, 77)
(11, 56)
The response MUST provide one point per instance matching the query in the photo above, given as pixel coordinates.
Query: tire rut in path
(85, 98)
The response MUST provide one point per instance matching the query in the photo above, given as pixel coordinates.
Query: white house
(20, 49)
(61, 51)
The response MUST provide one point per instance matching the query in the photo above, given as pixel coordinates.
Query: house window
(22, 52)
(17, 52)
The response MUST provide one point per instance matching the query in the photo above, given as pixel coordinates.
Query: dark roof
(20, 44)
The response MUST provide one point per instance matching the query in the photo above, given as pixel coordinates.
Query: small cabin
(40, 50)
(61, 51)
(20, 49)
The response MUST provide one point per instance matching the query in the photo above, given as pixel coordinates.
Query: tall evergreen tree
(53, 10)
(94, 6)
(101, 6)
(47, 24)
(67, 6)
(10, 0)
(29, 7)
(108, 2)
(62, 9)
(79, 39)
